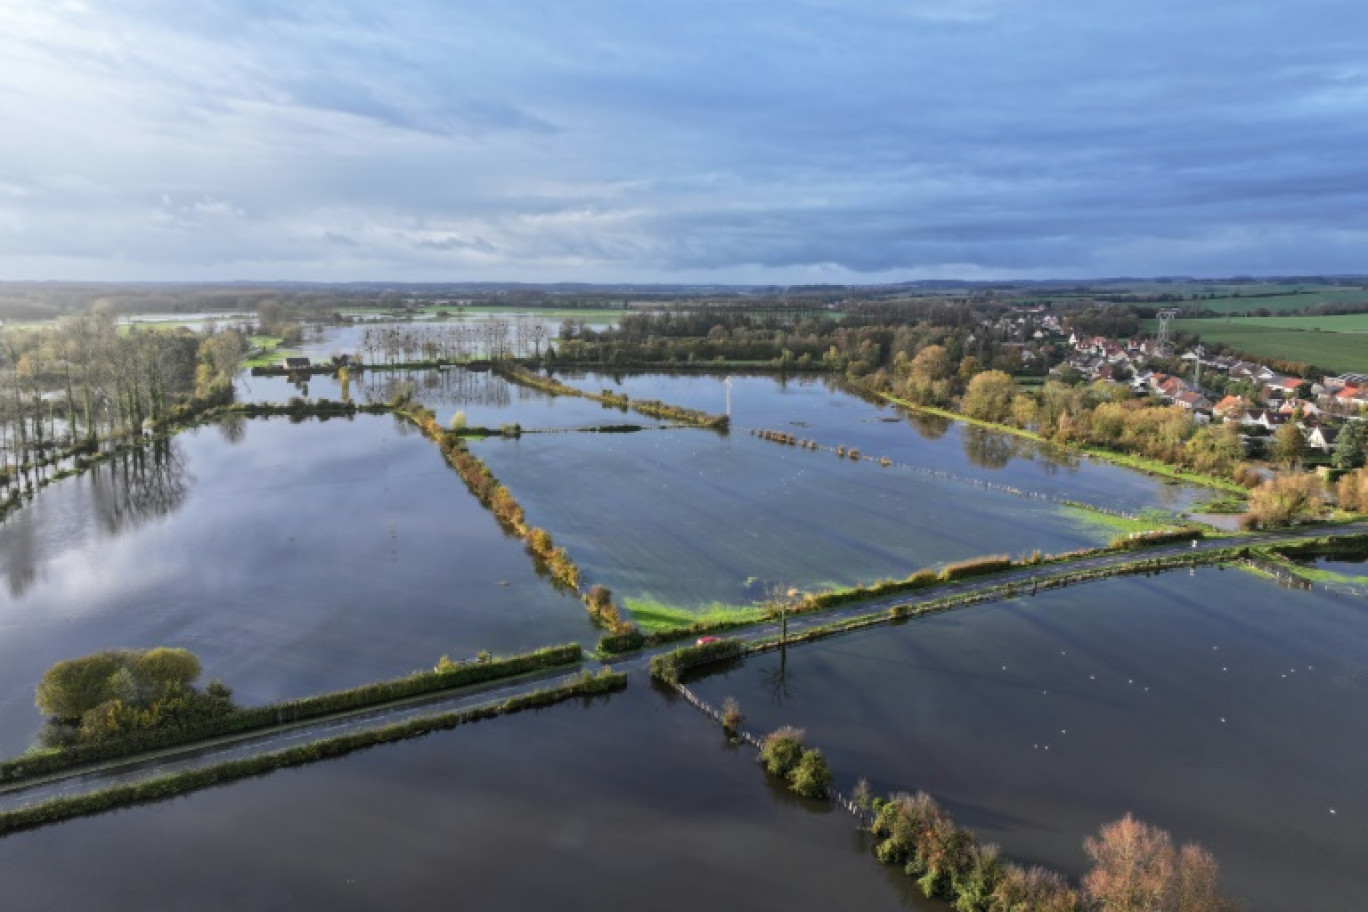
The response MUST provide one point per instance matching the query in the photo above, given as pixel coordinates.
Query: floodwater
(633, 802)
(292, 558)
(1213, 704)
(688, 517)
(809, 408)
(485, 398)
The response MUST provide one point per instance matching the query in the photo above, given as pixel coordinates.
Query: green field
(1281, 303)
(1345, 350)
(1342, 323)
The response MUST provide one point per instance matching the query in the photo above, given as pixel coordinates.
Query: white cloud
(241, 139)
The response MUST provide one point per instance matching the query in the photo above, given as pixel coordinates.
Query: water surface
(1215, 705)
(292, 558)
(634, 803)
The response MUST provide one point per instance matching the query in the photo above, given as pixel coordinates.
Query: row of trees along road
(66, 387)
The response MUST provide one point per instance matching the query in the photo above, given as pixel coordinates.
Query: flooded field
(689, 517)
(1215, 705)
(292, 558)
(296, 557)
(811, 408)
(622, 804)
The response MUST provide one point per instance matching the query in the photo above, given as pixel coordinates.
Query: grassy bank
(656, 617)
(163, 787)
(1126, 460)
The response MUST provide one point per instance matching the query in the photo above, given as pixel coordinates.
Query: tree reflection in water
(988, 449)
(930, 427)
(127, 491)
(140, 485)
(233, 428)
(455, 387)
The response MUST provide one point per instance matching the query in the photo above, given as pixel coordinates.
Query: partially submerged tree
(1136, 869)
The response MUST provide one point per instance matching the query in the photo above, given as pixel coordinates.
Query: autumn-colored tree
(989, 396)
(1133, 867)
(1352, 491)
(1289, 445)
(1284, 501)
(1136, 869)
(1033, 889)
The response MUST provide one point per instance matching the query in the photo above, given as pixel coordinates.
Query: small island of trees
(117, 691)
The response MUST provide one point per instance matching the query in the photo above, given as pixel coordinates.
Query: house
(1321, 438)
(1282, 387)
(1230, 407)
(1335, 384)
(1270, 419)
(294, 364)
(1193, 402)
(1353, 395)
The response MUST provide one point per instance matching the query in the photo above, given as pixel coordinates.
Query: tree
(1136, 869)
(157, 669)
(1215, 448)
(121, 690)
(781, 750)
(1351, 448)
(1133, 867)
(1283, 501)
(73, 686)
(811, 778)
(1033, 889)
(1289, 445)
(989, 397)
(1352, 491)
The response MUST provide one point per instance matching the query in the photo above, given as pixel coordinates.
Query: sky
(704, 141)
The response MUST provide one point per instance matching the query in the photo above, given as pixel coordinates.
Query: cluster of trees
(495, 338)
(1135, 867)
(118, 691)
(66, 387)
(804, 769)
(868, 341)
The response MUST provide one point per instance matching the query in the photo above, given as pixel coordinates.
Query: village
(1219, 387)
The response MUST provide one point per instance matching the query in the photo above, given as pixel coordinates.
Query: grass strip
(57, 810)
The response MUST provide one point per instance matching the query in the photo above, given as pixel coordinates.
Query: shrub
(782, 750)
(731, 716)
(626, 641)
(811, 778)
(1148, 539)
(979, 566)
